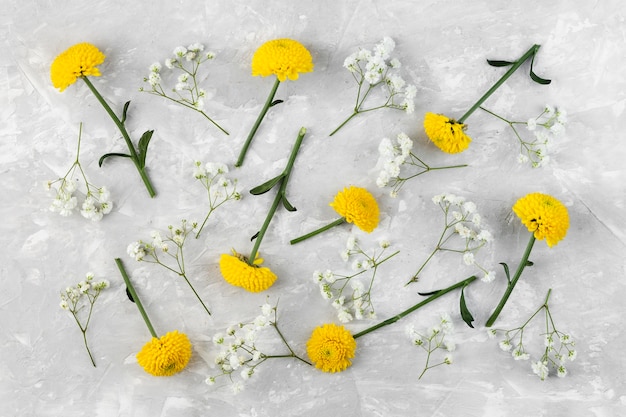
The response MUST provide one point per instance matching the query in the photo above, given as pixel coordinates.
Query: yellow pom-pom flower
(544, 216)
(77, 61)
(284, 58)
(236, 271)
(447, 134)
(331, 347)
(358, 206)
(165, 356)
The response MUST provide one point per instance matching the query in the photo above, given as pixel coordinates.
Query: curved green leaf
(465, 313)
(495, 63)
(254, 236)
(129, 295)
(535, 77)
(144, 141)
(125, 111)
(428, 294)
(506, 271)
(266, 186)
(275, 102)
(105, 156)
(287, 204)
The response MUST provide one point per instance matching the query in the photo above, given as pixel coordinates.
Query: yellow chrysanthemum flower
(165, 356)
(331, 347)
(236, 271)
(447, 134)
(284, 58)
(79, 60)
(544, 216)
(358, 206)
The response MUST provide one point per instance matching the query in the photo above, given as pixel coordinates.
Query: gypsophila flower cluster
(557, 350)
(97, 200)
(350, 297)
(437, 337)
(393, 155)
(166, 251)
(186, 61)
(463, 221)
(76, 299)
(371, 69)
(239, 353)
(546, 127)
(220, 189)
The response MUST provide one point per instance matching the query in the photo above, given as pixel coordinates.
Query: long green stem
(318, 231)
(408, 311)
(529, 54)
(122, 129)
(133, 294)
(268, 104)
(196, 294)
(280, 195)
(509, 289)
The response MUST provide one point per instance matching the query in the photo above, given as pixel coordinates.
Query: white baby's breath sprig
(239, 353)
(393, 156)
(97, 200)
(347, 294)
(437, 337)
(220, 189)
(460, 219)
(371, 69)
(558, 347)
(549, 125)
(186, 91)
(79, 300)
(167, 251)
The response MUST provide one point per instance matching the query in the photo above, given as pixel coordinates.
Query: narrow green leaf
(266, 186)
(535, 77)
(529, 263)
(495, 63)
(275, 102)
(428, 294)
(287, 204)
(144, 141)
(125, 111)
(105, 156)
(506, 271)
(254, 236)
(465, 313)
(129, 295)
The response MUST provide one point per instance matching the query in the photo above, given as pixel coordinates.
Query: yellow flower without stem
(358, 206)
(236, 271)
(284, 58)
(544, 216)
(447, 134)
(77, 61)
(331, 347)
(165, 356)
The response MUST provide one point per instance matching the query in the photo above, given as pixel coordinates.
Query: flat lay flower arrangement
(348, 283)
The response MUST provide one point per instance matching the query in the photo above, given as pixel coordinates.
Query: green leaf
(535, 77)
(266, 186)
(428, 294)
(275, 102)
(125, 111)
(465, 313)
(130, 297)
(495, 63)
(287, 204)
(254, 236)
(506, 271)
(529, 263)
(105, 156)
(144, 141)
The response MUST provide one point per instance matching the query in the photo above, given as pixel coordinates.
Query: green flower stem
(280, 195)
(133, 294)
(318, 231)
(122, 129)
(292, 354)
(460, 284)
(529, 54)
(509, 289)
(268, 104)
(344, 122)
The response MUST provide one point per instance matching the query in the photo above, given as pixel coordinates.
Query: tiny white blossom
(468, 258)
(540, 369)
(531, 124)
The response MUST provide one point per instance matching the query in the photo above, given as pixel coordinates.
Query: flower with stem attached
(371, 69)
(395, 155)
(245, 271)
(447, 133)
(354, 205)
(435, 338)
(81, 61)
(284, 58)
(187, 92)
(76, 298)
(159, 251)
(558, 346)
(162, 356)
(97, 201)
(546, 218)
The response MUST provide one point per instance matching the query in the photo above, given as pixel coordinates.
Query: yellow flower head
(79, 60)
(543, 215)
(165, 356)
(447, 134)
(236, 271)
(284, 58)
(358, 206)
(331, 347)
